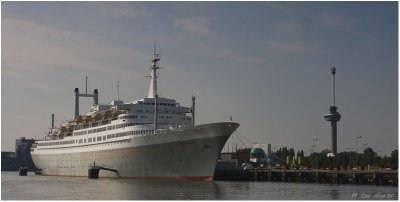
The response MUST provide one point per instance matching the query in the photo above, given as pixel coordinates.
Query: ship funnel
(76, 102)
(95, 97)
(52, 122)
(193, 108)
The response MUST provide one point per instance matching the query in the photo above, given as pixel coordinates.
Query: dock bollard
(23, 171)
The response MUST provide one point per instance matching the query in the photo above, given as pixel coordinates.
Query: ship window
(104, 137)
(99, 138)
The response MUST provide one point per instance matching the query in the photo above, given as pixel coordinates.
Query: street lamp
(313, 143)
(313, 149)
(359, 137)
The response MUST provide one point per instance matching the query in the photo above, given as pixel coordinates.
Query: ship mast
(153, 81)
(153, 84)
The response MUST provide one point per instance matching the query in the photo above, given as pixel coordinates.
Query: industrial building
(12, 161)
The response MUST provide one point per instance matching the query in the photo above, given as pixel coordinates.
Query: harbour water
(36, 187)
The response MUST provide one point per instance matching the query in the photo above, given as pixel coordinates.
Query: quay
(378, 177)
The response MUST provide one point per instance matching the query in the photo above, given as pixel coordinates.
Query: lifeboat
(107, 114)
(79, 119)
(98, 116)
(88, 118)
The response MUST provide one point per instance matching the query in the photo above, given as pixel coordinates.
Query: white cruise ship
(153, 137)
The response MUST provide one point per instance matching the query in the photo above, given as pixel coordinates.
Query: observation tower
(333, 117)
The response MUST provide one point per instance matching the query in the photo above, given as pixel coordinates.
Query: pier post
(335, 177)
(269, 176)
(375, 177)
(284, 176)
(300, 175)
(23, 171)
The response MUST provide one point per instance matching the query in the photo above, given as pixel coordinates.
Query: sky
(265, 64)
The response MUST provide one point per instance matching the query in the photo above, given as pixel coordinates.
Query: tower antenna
(333, 70)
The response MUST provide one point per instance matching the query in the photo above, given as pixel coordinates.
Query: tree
(291, 152)
(369, 156)
(394, 158)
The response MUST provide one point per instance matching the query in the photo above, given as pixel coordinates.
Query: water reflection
(334, 194)
(123, 189)
(80, 188)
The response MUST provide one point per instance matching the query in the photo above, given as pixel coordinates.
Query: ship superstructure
(153, 137)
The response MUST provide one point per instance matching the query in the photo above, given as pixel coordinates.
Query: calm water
(33, 187)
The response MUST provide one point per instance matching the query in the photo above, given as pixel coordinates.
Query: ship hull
(186, 154)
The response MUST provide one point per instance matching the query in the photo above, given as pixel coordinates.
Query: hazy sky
(266, 64)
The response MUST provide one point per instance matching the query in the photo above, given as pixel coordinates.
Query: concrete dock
(382, 177)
